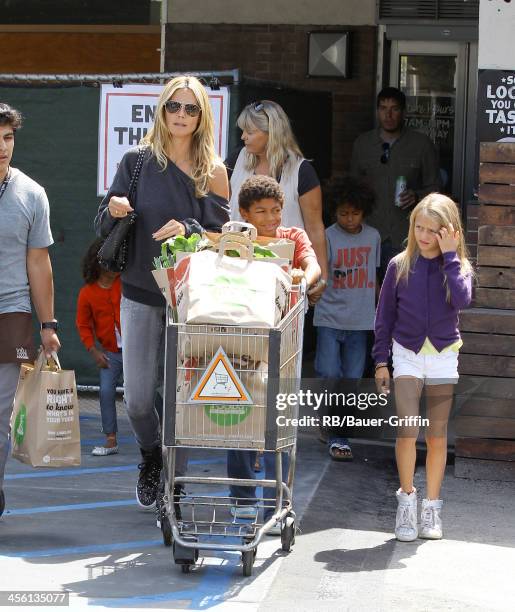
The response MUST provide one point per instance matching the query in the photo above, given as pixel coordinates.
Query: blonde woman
(271, 149)
(182, 189)
(424, 289)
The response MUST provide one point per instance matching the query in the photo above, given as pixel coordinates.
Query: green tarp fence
(58, 147)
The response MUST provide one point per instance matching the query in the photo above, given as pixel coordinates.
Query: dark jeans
(340, 359)
(109, 377)
(240, 464)
(340, 353)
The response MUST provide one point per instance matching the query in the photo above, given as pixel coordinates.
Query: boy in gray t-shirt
(345, 313)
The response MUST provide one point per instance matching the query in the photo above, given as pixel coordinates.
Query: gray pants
(9, 373)
(143, 329)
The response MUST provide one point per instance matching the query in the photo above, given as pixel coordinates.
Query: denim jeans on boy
(109, 377)
(340, 355)
(240, 464)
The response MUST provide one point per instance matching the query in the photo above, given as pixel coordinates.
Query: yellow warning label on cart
(220, 384)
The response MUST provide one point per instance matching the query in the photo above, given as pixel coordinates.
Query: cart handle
(240, 243)
(240, 227)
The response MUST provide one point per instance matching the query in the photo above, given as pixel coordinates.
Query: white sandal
(102, 451)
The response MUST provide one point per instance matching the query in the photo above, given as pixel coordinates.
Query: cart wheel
(247, 560)
(185, 557)
(166, 531)
(288, 533)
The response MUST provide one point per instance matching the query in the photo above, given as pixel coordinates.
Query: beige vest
(292, 214)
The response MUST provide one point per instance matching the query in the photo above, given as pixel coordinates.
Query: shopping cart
(257, 364)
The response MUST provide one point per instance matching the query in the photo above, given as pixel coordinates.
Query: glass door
(433, 75)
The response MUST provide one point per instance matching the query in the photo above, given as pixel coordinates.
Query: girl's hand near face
(170, 229)
(448, 239)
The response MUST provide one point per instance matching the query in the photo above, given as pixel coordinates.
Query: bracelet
(380, 365)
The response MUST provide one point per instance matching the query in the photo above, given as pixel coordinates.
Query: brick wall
(278, 53)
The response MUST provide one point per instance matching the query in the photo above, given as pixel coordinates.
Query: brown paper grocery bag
(45, 429)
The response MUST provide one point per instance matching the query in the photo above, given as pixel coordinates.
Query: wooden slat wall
(485, 425)
(99, 51)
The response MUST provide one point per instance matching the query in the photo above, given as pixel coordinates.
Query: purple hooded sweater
(413, 311)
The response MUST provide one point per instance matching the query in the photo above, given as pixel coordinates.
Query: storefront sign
(127, 113)
(496, 106)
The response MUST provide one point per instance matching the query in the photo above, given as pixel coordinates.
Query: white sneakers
(406, 520)
(406, 529)
(431, 519)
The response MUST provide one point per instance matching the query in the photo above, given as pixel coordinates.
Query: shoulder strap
(135, 175)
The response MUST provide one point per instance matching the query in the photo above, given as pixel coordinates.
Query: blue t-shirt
(348, 303)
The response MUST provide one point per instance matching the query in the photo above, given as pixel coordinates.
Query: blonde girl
(270, 148)
(424, 289)
(182, 189)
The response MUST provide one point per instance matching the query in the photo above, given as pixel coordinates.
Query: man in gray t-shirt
(25, 271)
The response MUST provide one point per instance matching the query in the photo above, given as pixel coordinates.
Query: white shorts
(438, 369)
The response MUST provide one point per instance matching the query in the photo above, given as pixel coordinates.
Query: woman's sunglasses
(172, 107)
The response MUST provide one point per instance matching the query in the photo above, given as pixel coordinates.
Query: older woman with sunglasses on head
(182, 189)
(271, 149)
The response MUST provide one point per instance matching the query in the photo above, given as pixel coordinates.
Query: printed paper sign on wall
(126, 114)
(496, 106)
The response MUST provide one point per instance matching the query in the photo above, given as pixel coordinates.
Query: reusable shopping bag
(213, 288)
(45, 428)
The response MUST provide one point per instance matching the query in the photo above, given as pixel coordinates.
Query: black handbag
(112, 255)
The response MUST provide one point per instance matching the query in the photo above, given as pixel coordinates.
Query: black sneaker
(2, 502)
(149, 476)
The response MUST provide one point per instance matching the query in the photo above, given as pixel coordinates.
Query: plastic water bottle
(401, 185)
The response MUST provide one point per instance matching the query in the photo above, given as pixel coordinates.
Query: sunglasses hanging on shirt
(5, 182)
(386, 152)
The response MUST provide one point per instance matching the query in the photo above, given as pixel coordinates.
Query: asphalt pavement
(81, 531)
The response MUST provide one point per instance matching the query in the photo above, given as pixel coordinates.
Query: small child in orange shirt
(98, 318)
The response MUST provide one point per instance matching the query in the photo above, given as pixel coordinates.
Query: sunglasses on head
(386, 152)
(172, 107)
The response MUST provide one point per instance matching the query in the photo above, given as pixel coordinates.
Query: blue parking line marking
(64, 508)
(84, 550)
(94, 505)
(70, 472)
(207, 461)
(49, 472)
